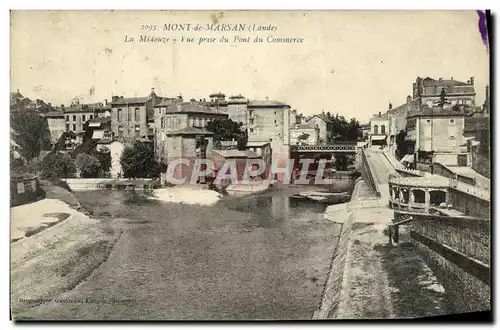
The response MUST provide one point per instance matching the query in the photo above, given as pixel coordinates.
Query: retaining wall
(103, 184)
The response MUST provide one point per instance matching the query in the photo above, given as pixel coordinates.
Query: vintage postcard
(250, 165)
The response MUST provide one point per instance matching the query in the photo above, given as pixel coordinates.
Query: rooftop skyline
(353, 63)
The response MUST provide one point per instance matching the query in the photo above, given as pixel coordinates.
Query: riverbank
(54, 247)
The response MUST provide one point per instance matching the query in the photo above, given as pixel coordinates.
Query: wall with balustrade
(367, 172)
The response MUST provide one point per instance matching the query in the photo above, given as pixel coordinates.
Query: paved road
(381, 167)
(258, 258)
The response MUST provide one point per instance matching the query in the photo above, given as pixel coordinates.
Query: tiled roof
(190, 107)
(131, 100)
(305, 125)
(267, 103)
(191, 131)
(430, 82)
(166, 102)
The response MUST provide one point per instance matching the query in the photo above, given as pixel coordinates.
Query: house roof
(431, 82)
(192, 107)
(131, 100)
(100, 120)
(191, 131)
(267, 103)
(309, 125)
(382, 116)
(166, 102)
(321, 116)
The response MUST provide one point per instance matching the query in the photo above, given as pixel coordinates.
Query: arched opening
(437, 197)
(406, 196)
(419, 196)
(375, 129)
(382, 129)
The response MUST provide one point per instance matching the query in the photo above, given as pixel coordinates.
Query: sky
(350, 62)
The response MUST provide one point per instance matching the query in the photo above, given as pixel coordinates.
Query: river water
(260, 257)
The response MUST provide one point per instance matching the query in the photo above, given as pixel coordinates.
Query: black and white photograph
(243, 165)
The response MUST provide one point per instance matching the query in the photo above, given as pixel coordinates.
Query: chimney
(114, 98)
(408, 99)
(440, 79)
(379, 113)
(105, 102)
(267, 98)
(451, 78)
(390, 105)
(472, 80)
(62, 107)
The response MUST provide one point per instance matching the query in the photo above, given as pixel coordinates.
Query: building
(379, 129)
(237, 110)
(428, 91)
(436, 130)
(304, 134)
(101, 128)
(325, 127)
(477, 132)
(174, 116)
(397, 120)
(366, 130)
(269, 121)
(133, 117)
(264, 150)
(56, 125)
(76, 115)
(239, 157)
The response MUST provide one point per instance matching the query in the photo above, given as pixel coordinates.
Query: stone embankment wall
(342, 215)
(367, 173)
(103, 184)
(458, 249)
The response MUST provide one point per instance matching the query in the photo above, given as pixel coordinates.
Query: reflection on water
(266, 210)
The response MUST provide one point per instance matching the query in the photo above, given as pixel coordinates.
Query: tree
(30, 132)
(228, 130)
(58, 165)
(139, 161)
(88, 165)
(402, 145)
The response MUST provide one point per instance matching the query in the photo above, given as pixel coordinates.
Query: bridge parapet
(367, 172)
(347, 148)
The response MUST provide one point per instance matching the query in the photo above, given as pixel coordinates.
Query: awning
(378, 137)
(98, 135)
(408, 159)
(94, 124)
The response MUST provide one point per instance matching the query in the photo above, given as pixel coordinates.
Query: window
(275, 122)
(74, 117)
(137, 130)
(251, 130)
(452, 121)
(67, 127)
(162, 123)
(74, 127)
(169, 122)
(428, 120)
(375, 129)
(67, 118)
(251, 121)
(452, 137)
(83, 118)
(250, 113)
(275, 113)
(90, 117)
(119, 115)
(382, 129)
(137, 114)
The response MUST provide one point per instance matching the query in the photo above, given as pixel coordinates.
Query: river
(264, 256)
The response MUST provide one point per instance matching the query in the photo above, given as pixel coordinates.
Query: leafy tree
(58, 165)
(139, 161)
(104, 157)
(88, 165)
(402, 145)
(30, 132)
(227, 130)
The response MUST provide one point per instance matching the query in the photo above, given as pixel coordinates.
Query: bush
(88, 165)
(58, 165)
(139, 162)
